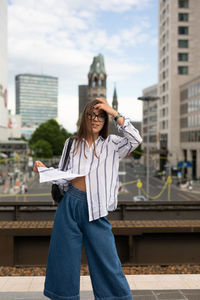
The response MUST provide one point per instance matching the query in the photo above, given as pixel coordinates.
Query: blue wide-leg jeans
(72, 228)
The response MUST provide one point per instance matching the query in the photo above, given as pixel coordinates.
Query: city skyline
(65, 39)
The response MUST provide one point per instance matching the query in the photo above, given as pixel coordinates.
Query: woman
(81, 214)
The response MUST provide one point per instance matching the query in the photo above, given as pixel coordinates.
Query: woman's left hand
(106, 107)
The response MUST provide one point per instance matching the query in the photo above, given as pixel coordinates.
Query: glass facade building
(36, 98)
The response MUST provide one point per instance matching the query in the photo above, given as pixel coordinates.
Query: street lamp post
(148, 99)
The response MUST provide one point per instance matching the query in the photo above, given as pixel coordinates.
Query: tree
(42, 149)
(52, 133)
(137, 153)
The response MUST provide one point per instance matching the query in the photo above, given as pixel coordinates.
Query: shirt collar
(99, 137)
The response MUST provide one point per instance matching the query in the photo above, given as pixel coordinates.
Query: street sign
(184, 164)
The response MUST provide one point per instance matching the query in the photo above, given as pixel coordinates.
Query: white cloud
(60, 38)
(123, 69)
(121, 6)
(131, 108)
(68, 112)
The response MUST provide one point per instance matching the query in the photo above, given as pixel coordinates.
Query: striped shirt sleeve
(62, 182)
(62, 159)
(130, 141)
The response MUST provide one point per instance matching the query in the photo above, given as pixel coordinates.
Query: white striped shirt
(102, 179)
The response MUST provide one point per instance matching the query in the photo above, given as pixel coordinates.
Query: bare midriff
(79, 183)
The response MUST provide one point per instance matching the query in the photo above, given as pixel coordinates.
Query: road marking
(22, 195)
(184, 196)
(196, 198)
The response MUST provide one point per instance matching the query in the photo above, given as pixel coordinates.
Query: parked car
(139, 198)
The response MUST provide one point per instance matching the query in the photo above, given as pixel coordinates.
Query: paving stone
(142, 293)
(38, 296)
(169, 295)
(190, 291)
(22, 296)
(144, 297)
(137, 295)
(193, 297)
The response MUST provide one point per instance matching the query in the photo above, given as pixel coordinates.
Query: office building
(150, 127)
(36, 98)
(83, 97)
(179, 70)
(3, 72)
(179, 62)
(190, 126)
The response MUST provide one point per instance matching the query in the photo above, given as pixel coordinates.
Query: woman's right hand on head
(38, 164)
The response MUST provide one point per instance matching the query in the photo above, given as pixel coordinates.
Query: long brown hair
(83, 127)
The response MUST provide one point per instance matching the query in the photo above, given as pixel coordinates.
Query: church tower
(97, 79)
(115, 102)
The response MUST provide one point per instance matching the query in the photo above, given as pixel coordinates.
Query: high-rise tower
(178, 110)
(179, 62)
(36, 98)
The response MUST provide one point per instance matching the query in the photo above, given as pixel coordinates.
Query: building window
(163, 112)
(184, 94)
(183, 30)
(164, 13)
(194, 90)
(163, 124)
(183, 3)
(163, 87)
(163, 75)
(183, 43)
(163, 38)
(183, 17)
(184, 108)
(163, 100)
(183, 123)
(163, 63)
(182, 56)
(183, 70)
(163, 50)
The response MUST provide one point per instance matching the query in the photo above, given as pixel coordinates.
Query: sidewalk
(144, 287)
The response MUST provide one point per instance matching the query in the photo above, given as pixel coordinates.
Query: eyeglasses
(100, 117)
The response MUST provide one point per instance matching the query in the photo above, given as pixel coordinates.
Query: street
(128, 171)
(135, 171)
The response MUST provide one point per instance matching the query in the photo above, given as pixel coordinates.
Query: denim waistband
(76, 192)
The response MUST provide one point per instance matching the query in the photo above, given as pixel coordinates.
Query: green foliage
(23, 138)
(42, 149)
(137, 153)
(52, 133)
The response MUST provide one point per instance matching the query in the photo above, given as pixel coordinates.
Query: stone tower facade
(115, 102)
(97, 79)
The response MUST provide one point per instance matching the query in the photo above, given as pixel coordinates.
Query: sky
(61, 37)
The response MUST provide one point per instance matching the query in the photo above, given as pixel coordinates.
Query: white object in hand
(51, 174)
